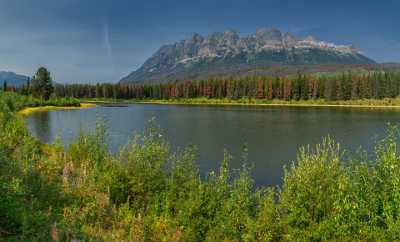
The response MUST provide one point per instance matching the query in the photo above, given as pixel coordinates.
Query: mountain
(228, 54)
(12, 78)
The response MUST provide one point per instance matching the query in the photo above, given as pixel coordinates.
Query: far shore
(393, 103)
(30, 110)
(388, 103)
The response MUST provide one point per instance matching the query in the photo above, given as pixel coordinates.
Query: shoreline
(379, 104)
(87, 103)
(274, 105)
(30, 110)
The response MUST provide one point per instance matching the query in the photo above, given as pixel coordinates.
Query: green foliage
(13, 102)
(42, 84)
(350, 85)
(312, 193)
(147, 192)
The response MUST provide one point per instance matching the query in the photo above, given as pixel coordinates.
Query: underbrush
(15, 102)
(147, 192)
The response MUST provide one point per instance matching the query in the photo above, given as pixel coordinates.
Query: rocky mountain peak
(266, 45)
(268, 34)
(289, 40)
(231, 36)
(194, 38)
(310, 39)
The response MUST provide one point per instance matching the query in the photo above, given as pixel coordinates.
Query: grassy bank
(16, 102)
(148, 192)
(26, 105)
(361, 103)
(30, 110)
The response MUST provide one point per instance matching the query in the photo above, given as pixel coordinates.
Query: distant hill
(12, 78)
(227, 53)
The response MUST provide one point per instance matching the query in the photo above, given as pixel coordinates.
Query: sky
(103, 40)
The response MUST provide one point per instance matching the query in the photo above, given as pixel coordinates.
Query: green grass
(147, 192)
(30, 110)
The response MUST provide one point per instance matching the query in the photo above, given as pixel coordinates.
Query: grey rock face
(268, 38)
(226, 49)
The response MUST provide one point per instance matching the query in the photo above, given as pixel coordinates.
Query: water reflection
(40, 126)
(273, 135)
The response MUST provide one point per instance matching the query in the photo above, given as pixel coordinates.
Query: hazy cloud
(107, 40)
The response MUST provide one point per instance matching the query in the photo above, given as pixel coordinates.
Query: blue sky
(103, 40)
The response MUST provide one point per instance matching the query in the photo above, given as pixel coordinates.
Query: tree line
(344, 86)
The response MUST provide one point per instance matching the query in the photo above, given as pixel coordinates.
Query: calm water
(272, 135)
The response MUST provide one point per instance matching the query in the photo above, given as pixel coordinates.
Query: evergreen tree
(5, 86)
(42, 85)
(296, 89)
(28, 86)
(303, 87)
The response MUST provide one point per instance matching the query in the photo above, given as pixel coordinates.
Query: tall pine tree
(42, 85)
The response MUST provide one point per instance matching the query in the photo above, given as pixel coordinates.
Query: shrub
(147, 192)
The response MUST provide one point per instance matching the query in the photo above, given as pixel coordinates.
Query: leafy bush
(146, 192)
(14, 102)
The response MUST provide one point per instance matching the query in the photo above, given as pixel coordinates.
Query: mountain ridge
(221, 50)
(12, 78)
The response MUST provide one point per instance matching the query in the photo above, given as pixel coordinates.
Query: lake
(272, 135)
